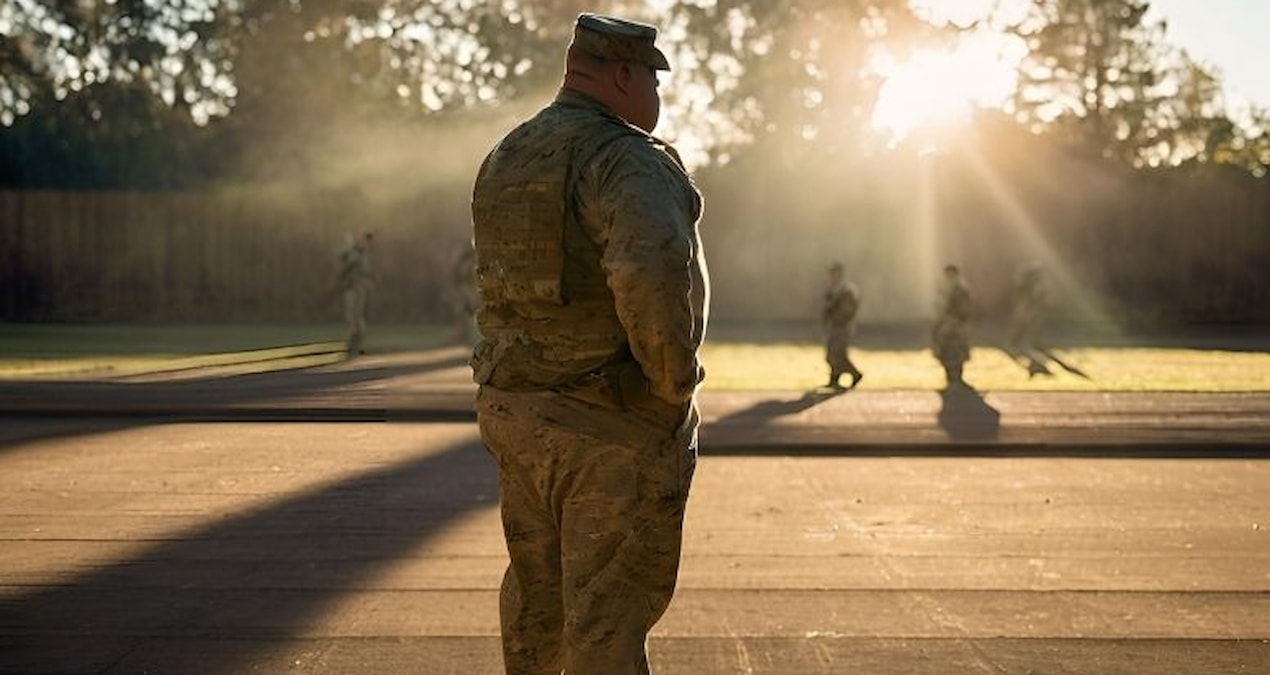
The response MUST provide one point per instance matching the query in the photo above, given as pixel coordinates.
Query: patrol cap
(615, 39)
(836, 267)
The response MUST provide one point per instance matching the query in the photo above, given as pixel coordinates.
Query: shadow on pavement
(209, 391)
(965, 416)
(272, 573)
(15, 431)
(1044, 362)
(343, 393)
(771, 409)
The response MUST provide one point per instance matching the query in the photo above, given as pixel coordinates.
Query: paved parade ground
(343, 519)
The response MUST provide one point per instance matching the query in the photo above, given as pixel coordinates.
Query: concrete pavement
(436, 386)
(186, 524)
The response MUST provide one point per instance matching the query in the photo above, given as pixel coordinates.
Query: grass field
(802, 366)
(40, 351)
(113, 350)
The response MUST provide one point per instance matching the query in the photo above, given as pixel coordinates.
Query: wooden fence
(242, 255)
(1129, 247)
(1148, 247)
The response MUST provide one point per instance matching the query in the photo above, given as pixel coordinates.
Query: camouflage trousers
(837, 352)
(592, 501)
(951, 345)
(356, 298)
(1027, 332)
(951, 341)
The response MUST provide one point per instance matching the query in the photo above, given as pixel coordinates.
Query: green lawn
(802, 366)
(112, 350)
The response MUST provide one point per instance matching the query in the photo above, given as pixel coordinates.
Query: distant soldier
(462, 294)
(1027, 320)
(841, 302)
(355, 281)
(951, 333)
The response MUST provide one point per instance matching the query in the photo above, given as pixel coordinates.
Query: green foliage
(180, 51)
(106, 94)
(787, 75)
(1098, 75)
(103, 350)
(179, 93)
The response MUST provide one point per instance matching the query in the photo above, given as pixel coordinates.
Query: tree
(180, 92)
(1099, 75)
(100, 93)
(92, 90)
(293, 72)
(180, 51)
(1245, 145)
(1089, 72)
(789, 77)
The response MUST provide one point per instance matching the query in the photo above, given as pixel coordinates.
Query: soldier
(462, 295)
(841, 302)
(1027, 321)
(593, 294)
(355, 281)
(951, 333)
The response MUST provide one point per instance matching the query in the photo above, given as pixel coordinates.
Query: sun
(933, 91)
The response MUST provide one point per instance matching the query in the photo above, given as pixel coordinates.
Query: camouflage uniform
(841, 302)
(356, 279)
(1027, 322)
(951, 333)
(462, 295)
(594, 292)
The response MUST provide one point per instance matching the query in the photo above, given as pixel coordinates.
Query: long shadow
(1043, 361)
(267, 574)
(965, 416)
(768, 410)
(242, 397)
(16, 432)
(209, 391)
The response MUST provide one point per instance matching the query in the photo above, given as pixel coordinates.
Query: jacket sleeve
(642, 211)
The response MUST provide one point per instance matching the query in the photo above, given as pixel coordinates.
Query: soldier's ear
(622, 77)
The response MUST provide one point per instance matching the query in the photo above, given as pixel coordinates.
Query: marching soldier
(951, 332)
(841, 303)
(356, 278)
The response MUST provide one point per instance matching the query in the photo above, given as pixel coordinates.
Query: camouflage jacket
(633, 284)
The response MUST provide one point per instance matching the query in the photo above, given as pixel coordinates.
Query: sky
(1228, 34)
(933, 88)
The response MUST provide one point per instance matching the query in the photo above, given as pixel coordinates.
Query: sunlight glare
(936, 91)
(1088, 307)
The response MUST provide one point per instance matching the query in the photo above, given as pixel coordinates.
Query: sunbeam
(1085, 305)
(928, 250)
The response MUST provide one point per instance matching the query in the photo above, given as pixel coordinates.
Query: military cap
(615, 39)
(836, 267)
